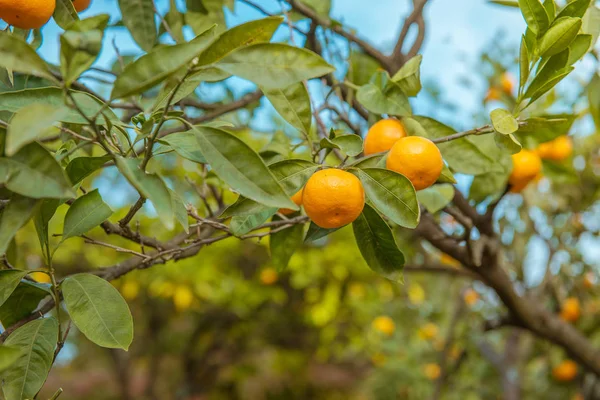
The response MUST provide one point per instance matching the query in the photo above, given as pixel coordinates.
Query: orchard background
(150, 149)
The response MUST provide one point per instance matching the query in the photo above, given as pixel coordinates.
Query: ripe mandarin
(382, 136)
(27, 14)
(385, 325)
(526, 167)
(570, 310)
(297, 199)
(566, 371)
(432, 371)
(507, 83)
(558, 149)
(417, 158)
(333, 198)
(81, 5)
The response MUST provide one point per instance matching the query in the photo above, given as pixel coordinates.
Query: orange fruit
(428, 331)
(526, 167)
(297, 199)
(558, 149)
(507, 83)
(40, 277)
(432, 371)
(492, 94)
(417, 158)
(385, 325)
(81, 5)
(382, 136)
(333, 198)
(268, 276)
(471, 297)
(570, 310)
(27, 14)
(566, 371)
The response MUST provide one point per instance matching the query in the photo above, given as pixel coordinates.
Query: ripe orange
(40, 277)
(27, 14)
(417, 158)
(81, 5)
(432, 371)
(382, 136)
(570, 310)
(333, 198)
(428, 331)
(507, 83)
(297, 199)
(493, 94)
(268, 276)
(526, 167)
(471, 297)
(566, 371)
(558, 149)
(385, 325)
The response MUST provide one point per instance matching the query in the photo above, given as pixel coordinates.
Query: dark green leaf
(36, 340)
(377, 244)
(351, 145)
(156, 66)
(32, 123)
(23, 301)
(138, 17)
(42, 218)
(33, 172)
(553, 68)
(315, 232)
(15, 215)
(293, 104)
(274, 65)
(180, 211)
(9, 280)
(392, 194)
(98, 311)
(241, 168)
(550, 84)
(543, 129)
(186, 145)
(523, 64)
(65, 13)
(446, 176)
(81, 167)
(371, 161)
(508, 142)
(150, 186)
(17, 56)
(393, 102)
(241, 225)
(85, 213)
(436, 197)
(284, 243)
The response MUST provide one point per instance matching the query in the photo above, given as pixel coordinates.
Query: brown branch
(415, 17)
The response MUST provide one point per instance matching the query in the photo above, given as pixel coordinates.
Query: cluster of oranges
(527, 164)
(32, 14)
(333, 198)
(505, 86)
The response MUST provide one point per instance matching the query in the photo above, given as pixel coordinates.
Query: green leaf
(362, 67)
(186, 145)
(81, 167)
(33, 172)
(212, 14)
(561, 173)
(53, 96)
(436, 197)
(408, 76)
(321, 7)
(138, 17)
(98, 311)
(462, 155)
(593, 96)
(80, 46)
(377, 244)
(241, 168)
(241, 225)
(293, 104)
(507, 141)
(156, 66)
(274, 65)
(257, 31)
(351, 145)
(17, 56)
(180, 211)
(32, 123)
(22, 302)
(284, 243)
(392, 194)
(446, 176)
(550, 84)
(8, 355)
(65, 13)
(315, 232)
(507, 3)
(542, 129)
(559, 36)
(393, 102)
(36, 340)
(15, 215)
(503, 121)
(9, 280)
(371, 161)
(523, 64)
(292, 175)
(535, 15)
(553, 68)
(42, 218)
(150, 186)
(493, 182)
(85, 213)
(550, 7)
(591, 23)
(575, 8)
(579, 48)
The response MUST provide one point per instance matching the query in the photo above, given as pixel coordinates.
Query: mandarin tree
(149, 192)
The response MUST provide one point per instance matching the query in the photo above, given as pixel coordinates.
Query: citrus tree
(397, 188)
